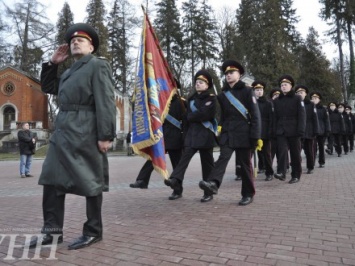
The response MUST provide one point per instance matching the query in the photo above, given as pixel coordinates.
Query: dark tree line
(261, 34)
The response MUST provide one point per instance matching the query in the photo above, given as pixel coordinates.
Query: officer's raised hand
(61, 54)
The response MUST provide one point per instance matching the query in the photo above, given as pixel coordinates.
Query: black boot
(280, 176)
(206, 198)
(209, 187)
(139, 184)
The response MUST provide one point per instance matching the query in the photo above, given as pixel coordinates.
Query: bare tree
(32, 28)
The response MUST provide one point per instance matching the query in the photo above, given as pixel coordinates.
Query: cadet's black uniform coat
(173, 138)
(348, 130)
(236, 130)
(198, 137)
(324, 131)
(289, 115)
(337, 129)
(312, 130)
(289, 127)
(238, 135)
(336, 122)
(265, 156)
(312, 125)
(323, 120)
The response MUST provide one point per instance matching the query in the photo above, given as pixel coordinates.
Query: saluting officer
(200, 134)
(324, 127)
(266, 111)
(241, 129)
(289, 127)
(312, 127)
(76, 160)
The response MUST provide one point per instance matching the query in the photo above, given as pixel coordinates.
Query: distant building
(123, 119)
(22, 100)
(248, 79)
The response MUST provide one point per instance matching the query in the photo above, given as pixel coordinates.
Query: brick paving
(308, 223)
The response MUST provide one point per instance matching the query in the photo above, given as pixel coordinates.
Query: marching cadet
(351, 133)
(266, 112)
(324, 128)
(337, 127)
(274, 94)
(312, 127)
(289, 127)
(200, 135)
(241, 129)
(348, 128)
(173, 140)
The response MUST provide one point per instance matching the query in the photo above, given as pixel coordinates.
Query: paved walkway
(308, 223)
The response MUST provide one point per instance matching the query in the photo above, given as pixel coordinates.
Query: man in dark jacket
(76, 160)
(201, 129)
(173, 140)
(289, 128)
(337, 127)
(266, 111)
(241, 129)
(27, 144)
(324, 128)
(312, 127)
(129, 143)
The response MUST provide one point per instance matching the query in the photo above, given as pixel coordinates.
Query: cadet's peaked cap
(301, 88)
(348, 107)
(274, 91)
(83, 30)
(287, 79)
(205, 76)
(332, 103)
(316, 94)
(257, 84)
(232, 65)
(341, 104)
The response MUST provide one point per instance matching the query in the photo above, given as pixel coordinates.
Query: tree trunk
(341, 59)
(352, 62)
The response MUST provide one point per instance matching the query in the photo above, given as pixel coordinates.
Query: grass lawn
(40, 153)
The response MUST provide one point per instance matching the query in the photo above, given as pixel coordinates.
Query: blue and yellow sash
(173, 121)
(207, 124)
(237, 104)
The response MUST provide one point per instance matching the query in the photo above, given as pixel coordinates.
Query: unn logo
(11, 238)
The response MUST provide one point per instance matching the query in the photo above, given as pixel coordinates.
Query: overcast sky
(307, 10)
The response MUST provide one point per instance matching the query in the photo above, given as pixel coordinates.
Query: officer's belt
(76, 107)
